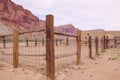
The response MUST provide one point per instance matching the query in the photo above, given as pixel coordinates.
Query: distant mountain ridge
(96, 30)
(67, 29)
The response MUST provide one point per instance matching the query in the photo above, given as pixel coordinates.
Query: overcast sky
(83, 14)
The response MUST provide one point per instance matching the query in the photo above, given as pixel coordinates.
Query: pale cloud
(84, 14)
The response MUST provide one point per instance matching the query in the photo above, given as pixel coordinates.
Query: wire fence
(6, 49)
(114, 42)
(90, 47)
(32, 53)
(65, 51)
(50, 52)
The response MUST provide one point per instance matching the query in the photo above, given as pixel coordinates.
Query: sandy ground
(7, 72)
(104, 67)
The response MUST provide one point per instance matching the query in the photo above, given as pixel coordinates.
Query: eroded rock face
(16, 17)
(14, 14)
(67, 29)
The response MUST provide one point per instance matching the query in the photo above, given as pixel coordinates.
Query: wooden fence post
(43, 41)
(115, 40)
(101, 44)
(27, 44)
(15, 49)
(104, 43)
(50, 57)
(107, 41)
(96, 46)
(35, 42)
(67, 41)
(56, 42)
(78, 47)
(60, 42)
(90, 47)
(4, 42)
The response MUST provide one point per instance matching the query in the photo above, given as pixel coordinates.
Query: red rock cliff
(14, 14)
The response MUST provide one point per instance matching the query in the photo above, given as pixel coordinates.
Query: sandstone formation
(15, 17)
(18, 17)
(67, 29)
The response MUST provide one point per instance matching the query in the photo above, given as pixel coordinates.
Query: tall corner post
(90, 47)
(96, 46)
(15, 49)
(50, 57)
(78, 47)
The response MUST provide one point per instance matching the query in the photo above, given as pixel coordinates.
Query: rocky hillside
(67, 29)
(16, 17)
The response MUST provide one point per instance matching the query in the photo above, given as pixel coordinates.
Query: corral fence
(6, 49)
(114, 42)
(47, 51)
(44, 51)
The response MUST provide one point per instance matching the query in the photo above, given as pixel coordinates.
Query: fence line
(51, 48)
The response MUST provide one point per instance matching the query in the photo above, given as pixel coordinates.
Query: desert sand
(104, 67)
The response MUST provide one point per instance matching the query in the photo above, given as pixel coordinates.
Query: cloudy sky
(83, 14)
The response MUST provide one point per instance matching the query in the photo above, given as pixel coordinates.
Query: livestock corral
(51, 52)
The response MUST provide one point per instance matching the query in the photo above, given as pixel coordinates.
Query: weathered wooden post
(60, 42)
(43, 42)
(96, 46)
(101, 44)
(104, 43)
(67, 41)
(115, 41)
(90, 47)
(107, 41)
(4, 42)
(15, 49)
(56, 42)
(27, 42)
(50, 57)
(35, 42)
(78, 47)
